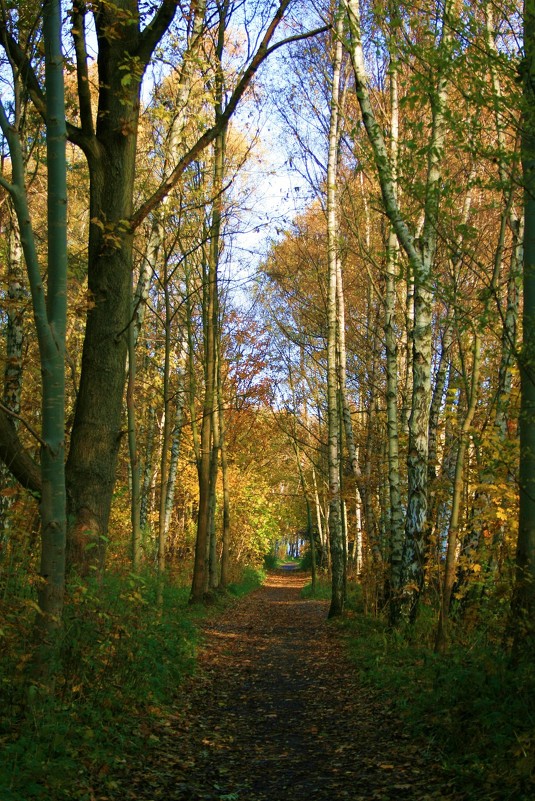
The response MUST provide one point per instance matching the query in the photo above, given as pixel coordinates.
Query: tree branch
(23, 64)
(15, 456)
(84, 91)
(262, 52)
(298, 38)
(154, 31)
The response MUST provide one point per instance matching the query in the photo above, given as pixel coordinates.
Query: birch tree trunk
(396, 532)
(14, 347)
(441, 386)
(319, 520)
(416, 520)
(338, 564)
(421, 260)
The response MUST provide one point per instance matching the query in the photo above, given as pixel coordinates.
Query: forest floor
(275, 711)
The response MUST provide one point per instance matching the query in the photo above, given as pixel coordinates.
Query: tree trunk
(182, 356)
(147, 468)
(524, 592)
(421, 260)
(453, 529)
(16, 294)
(111, 152)
(211, 328)
(225, 548)
(338, 564)
(148, 265)
(166, 429)
(515, 223)
(50, 314)
(396, 531)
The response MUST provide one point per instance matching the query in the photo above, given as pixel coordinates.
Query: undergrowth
(251, 579)
(124, 654)
(470, 706)
(322, 592)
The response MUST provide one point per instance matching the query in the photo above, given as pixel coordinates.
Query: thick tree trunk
(97, 429)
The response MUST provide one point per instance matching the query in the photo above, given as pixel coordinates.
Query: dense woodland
(184, 397)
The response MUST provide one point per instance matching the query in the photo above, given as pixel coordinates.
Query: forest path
(275, 712)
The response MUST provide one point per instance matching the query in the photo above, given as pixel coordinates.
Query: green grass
(124, 657)
(123, 660)
(469, 706)
(272, 562)
(323, 593)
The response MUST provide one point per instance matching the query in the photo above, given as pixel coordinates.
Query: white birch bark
(338, 562)
(14, 349)
(177, 431)
(15, 320)
(319, 516)
(421, 260)
(396, 532)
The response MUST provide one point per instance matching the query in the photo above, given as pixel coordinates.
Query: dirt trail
(275, 712)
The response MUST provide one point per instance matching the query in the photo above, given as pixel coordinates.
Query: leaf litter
(275, 712)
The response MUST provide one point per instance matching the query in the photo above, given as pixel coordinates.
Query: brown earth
(276, 712)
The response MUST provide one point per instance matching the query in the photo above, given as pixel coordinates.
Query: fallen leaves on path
(276, 712)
